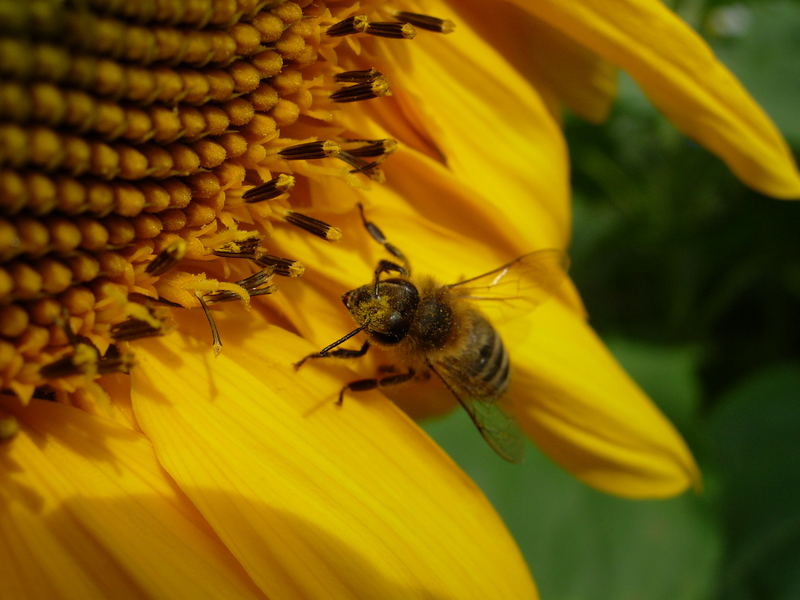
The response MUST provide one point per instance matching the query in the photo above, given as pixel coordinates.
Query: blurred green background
(694, 283)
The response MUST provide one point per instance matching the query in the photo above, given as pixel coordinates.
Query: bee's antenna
(342, 340)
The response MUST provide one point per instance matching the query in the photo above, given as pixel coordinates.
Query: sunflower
(178, 184)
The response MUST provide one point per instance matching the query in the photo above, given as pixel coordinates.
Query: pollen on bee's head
(360, 301)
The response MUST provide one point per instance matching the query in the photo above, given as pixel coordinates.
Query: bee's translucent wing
(518, 286)
(499, 430)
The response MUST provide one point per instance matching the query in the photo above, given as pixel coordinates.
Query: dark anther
(134, 328)
(370, 169)
(283, 266)
(354, 24)
(86, 360)
(310, 150)
(257, 284)
(270, 189)
(45, 393)
(360, 165)
(372, 148)
(115, 361)
(426, 22)
(356, 151)
(245, 248)
(376, 88)
(167, 258)
(313, 226)
(398, 31)
(83, 360)
(256, 280)
(63, 367)
(357, 76)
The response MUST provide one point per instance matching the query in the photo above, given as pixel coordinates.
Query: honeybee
(438, 328)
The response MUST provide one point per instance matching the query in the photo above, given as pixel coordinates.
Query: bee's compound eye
(401, 299)
(346, 298)
(359, 297)
(392, 328)
(401, 291)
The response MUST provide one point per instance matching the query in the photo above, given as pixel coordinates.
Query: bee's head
(387, 315)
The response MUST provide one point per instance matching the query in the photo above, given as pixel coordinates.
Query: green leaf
(755, 442)
(759, 59)
(667, 373)
(584, 545)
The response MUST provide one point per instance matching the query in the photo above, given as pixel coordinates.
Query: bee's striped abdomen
(480, 364)
(492, 364)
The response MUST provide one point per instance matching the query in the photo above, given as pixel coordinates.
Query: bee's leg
(386, 266)
(378, 236)
(363, 385)
(326, 351)
(338, 353)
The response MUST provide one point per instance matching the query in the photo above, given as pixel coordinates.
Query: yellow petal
(680, 74)
(87, 512)
(314, 500)
(491, 128)
(438, 241)
(580, 407)
(562, 70)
